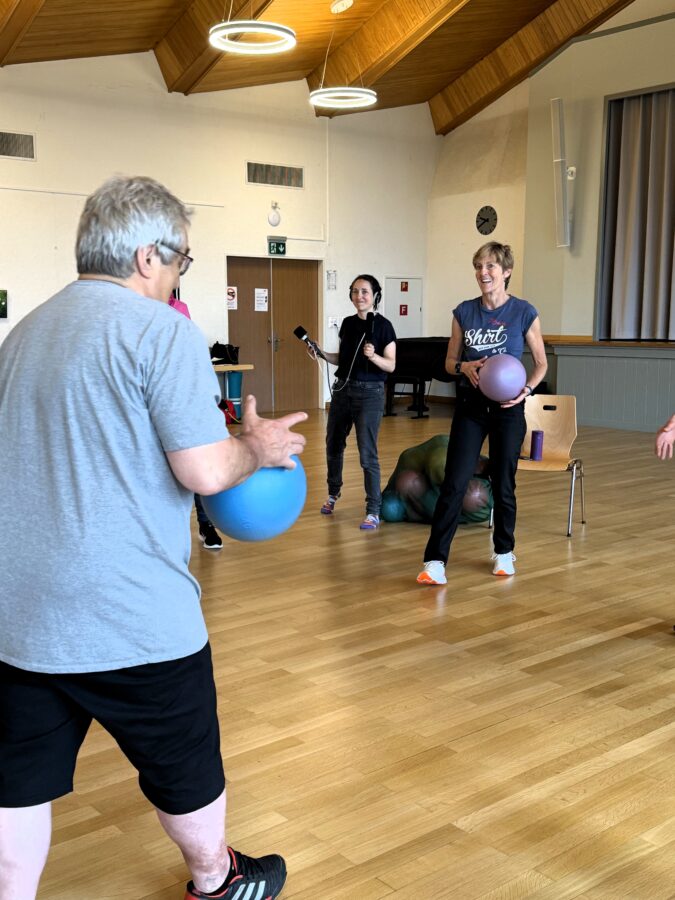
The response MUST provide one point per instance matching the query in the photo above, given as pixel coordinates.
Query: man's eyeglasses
(186, 262)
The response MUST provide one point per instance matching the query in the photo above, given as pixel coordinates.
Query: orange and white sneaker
(504, 564)
(432, 573)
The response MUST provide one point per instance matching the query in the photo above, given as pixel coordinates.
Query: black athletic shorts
(162, 715)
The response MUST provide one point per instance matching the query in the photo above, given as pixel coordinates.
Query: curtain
(637, 268)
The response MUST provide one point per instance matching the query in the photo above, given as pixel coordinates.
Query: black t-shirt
(352, 338)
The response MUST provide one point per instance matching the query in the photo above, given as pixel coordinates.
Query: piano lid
(421, 357)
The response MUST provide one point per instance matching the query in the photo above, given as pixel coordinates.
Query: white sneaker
(432, 573)
(504, 564)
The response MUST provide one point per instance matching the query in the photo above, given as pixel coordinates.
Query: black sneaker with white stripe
(209, 536)
(248, 879)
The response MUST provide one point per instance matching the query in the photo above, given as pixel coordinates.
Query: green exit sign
(276, 246)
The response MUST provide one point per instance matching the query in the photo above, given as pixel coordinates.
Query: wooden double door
(284, 377)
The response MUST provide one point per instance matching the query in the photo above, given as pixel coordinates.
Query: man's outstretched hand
(272, 440)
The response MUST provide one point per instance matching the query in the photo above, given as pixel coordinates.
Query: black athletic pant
(475, 418)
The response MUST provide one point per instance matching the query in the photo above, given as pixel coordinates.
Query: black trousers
(358, 403)
(475, 418)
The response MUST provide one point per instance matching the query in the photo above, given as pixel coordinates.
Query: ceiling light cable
(347, 96)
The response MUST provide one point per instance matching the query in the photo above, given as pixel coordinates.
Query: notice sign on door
(231, 298)
(261, 303)
(404, 287)
(403, 309)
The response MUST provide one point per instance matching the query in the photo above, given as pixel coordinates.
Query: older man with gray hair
(104, 622)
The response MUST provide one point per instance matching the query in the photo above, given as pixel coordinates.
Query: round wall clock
(486, 219)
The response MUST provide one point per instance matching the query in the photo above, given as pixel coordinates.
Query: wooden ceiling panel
(394, 32)
(315, 27)
(513, 60)
(472, 33)
(16, 17)
(458, 55)
(69, 29)
(184, 53)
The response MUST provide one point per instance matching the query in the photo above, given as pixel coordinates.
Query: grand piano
(418, 360)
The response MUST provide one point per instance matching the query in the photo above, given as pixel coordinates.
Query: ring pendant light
(343, 97)
(278, 37)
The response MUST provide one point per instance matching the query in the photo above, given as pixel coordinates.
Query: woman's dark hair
(375, 287)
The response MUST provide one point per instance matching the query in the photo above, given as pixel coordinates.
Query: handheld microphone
(302, 335)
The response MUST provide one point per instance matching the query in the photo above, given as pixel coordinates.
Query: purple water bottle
(537, 446)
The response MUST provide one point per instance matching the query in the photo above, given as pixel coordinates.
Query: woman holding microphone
(367, 353)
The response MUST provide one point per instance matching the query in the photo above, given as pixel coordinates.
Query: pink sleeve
(180, 307)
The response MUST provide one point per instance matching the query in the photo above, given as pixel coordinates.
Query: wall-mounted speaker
(562, 218)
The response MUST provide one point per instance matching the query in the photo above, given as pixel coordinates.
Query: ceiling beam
(16, 17)
(513, 61)
(184, 54)
(384, 40)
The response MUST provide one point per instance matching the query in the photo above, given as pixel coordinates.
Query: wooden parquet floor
(498, 738)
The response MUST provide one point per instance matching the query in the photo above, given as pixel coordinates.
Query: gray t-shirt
(95, 385)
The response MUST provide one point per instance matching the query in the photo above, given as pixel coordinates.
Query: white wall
(364, 205)
(381, 170)
(638, 11)
(562, 280)
(503, 157)
(482, 163)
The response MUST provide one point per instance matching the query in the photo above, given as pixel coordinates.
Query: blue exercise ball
(393, 508)
(262, 507)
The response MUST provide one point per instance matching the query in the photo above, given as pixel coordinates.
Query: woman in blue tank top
(495, 322)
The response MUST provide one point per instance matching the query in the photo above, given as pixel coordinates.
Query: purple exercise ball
(477, 496)
(502, 377)
(411, 484)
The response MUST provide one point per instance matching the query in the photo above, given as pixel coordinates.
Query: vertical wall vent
(17, 146)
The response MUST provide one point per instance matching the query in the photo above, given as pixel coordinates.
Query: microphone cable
(313, 354)
(346, 380)
(331, 389)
